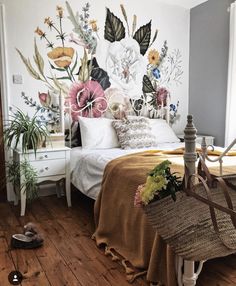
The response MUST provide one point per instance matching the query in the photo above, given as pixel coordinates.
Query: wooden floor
(69, 255)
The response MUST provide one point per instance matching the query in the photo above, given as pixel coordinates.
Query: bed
(123, 229)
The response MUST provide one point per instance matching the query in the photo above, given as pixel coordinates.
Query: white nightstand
(52, 164)
(209, 139)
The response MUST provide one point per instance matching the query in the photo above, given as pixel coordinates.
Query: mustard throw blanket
(124, 228)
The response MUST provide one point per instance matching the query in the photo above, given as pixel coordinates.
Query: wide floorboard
(69, 255)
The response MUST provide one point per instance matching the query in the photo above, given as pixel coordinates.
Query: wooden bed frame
(186, 274)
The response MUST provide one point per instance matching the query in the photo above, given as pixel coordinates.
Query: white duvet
(87, 165)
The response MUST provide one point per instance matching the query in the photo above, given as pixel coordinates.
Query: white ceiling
(188, 4)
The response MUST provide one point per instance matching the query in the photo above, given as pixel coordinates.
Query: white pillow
(97, 133)
(163, 132)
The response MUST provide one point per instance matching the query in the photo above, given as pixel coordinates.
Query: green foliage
(173, 182)
(15, 170)
(114, 28)
(28, 131)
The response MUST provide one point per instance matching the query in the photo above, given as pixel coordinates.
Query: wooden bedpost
(190, 155)
(188, 276)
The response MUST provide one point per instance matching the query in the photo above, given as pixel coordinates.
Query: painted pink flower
(87, 99)
(44, 98)
(161, 96)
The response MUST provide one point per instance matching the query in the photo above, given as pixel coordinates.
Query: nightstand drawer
(47, 155)
(50, 167)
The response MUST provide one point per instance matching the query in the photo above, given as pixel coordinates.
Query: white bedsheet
(87, 165)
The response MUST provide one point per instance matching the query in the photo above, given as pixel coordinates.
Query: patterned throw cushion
(134, 132)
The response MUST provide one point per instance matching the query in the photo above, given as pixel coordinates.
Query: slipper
(25, 242)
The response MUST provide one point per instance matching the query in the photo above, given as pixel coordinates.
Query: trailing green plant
(15, 170)
(26, 131)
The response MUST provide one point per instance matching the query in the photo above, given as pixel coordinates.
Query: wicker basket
(197, 229)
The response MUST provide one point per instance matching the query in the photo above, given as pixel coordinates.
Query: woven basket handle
(191, 191)
(204, 172)
(209, 201)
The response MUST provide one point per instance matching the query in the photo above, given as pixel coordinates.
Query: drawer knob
(41, 157)
(41, 171)
(46, 156)
(46, 168)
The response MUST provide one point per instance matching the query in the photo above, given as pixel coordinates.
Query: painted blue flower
(156, 73)
(173, 107)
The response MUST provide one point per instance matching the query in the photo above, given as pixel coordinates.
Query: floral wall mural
(120, 70)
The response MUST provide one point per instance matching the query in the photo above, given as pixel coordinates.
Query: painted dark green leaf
(114, 28)
(147, 85)
(143, 36)
(100, 75)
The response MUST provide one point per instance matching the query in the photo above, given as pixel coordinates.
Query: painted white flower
(118, 103)
(124, 64)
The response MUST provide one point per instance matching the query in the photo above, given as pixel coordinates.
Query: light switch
(17, 79)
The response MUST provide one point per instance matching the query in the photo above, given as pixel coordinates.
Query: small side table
(52, 165)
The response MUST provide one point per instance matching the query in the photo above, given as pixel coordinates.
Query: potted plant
(27, 132)
(15, 170)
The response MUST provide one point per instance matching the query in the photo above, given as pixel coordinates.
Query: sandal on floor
(25, 242)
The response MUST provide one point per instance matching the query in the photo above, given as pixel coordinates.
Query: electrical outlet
(17, 79)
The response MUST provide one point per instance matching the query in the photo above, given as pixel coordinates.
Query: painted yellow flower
(39, 32)
(60, 11)
(61, 56)
(93, 24)
(153, 57)
(48, 21)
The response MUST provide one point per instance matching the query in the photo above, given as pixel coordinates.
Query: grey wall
(209, 44)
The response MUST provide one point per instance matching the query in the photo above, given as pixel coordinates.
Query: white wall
(23, 16)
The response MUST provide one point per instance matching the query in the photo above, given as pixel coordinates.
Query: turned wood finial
(190, 155)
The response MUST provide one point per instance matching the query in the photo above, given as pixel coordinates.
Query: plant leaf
(147, 85)
(114, 28)
(100, 75)
(59, 78)
(142, 36)
(84, 72)
(75, 64)
(134, 24)
(38, 59)
(54, 68)
(29, 67)
(154, 38)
